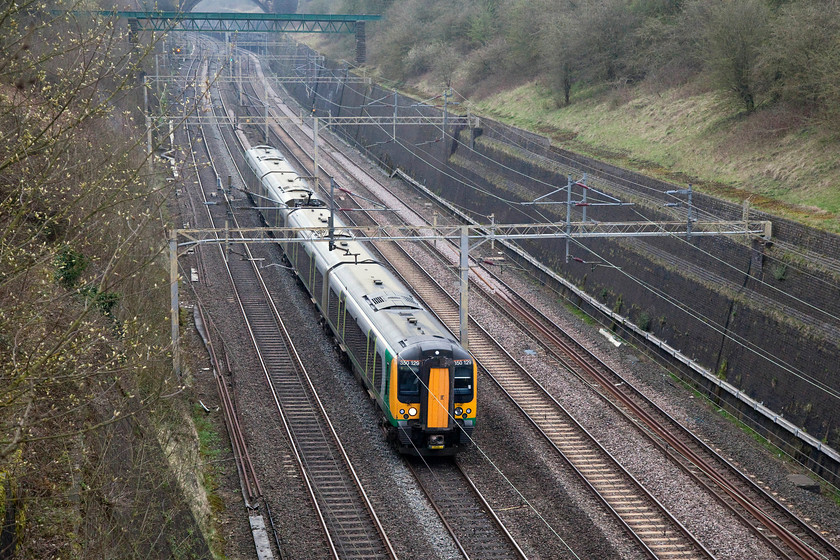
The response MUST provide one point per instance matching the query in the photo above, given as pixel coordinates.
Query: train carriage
(421, 378)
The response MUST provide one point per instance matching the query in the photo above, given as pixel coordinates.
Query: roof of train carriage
(279, 173)
(400, 318)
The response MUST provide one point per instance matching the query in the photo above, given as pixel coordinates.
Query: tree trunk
(8, 535)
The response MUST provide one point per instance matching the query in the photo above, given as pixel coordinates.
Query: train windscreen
(463, 382)
(408, 384)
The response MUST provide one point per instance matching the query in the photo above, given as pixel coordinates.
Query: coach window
(332, 315)
(370, 359)
(303, 264)
(382, 377)
(356, 341)
(317, 290)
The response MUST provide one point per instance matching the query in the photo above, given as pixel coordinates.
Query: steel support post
(315, 153)
(688, 219)
(174, 305)
(227, 240)
(745, 214)
(568, 215)
(239, 81)
(583, 200)
(492, 232)
(465, 282)
(265, 106)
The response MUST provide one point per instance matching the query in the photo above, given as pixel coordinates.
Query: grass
(210, 448)
(781, 161)
(827, 489)
(832, 493)
(763, 441)
(578, 312)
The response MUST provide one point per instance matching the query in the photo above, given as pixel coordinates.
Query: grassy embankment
(783, 163)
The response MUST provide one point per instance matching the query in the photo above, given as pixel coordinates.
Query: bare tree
(83, 302)
(734, 34)
(484, 22)
(802, 56)
(558, 39)
(69, 201)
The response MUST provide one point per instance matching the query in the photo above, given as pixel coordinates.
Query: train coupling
(436, 441)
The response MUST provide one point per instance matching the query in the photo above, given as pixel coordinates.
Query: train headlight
(412, 411)
(402, 411)
(469, 411)
(458, 411)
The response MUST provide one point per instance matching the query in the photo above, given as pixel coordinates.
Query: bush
(644, 321)
(69, 266)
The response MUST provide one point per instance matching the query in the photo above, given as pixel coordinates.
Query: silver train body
(421, 378)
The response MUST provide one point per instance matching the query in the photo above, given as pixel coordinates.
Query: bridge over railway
(229, 22)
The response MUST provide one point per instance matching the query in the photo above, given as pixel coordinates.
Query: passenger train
(421, 378)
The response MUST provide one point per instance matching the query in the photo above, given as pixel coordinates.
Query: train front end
(433, 399)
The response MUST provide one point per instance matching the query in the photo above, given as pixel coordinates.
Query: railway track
(784, 532)
(474, 527)
(350, 525)
(767, 517)
(250, 486)
(644, 517)
(477, 531)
